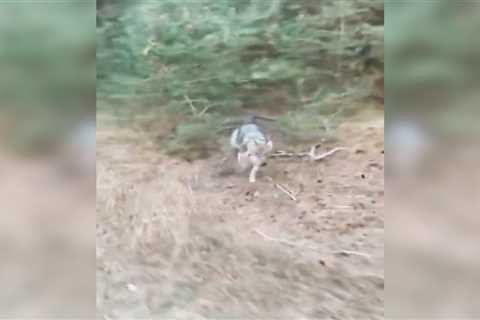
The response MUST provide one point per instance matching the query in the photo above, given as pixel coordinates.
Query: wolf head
(251, 144)
(257, 150)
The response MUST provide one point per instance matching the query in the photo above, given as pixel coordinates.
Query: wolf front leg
(253, 174)
(234, 155)
(243, 161)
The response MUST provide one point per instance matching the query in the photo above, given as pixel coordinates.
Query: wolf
(251, 146)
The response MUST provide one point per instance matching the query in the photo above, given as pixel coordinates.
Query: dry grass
(173, 241)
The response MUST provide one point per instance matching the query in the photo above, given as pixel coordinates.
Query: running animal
(251, 146)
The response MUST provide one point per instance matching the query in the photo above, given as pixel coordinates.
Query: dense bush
(225, 57)
(433, 69)
(47, 58)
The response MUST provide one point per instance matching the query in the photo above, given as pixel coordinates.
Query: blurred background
(47, 156)
(432, 156)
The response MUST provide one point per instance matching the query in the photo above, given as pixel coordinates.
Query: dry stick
(206, 108)
(326, 154)
(286, 191)
(310, 154)
(352, 253)
(294, 244)
(190, 103)
(288, 243)
(285, 154)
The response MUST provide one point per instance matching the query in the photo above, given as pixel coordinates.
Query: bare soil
(178, 239)
(47, 232)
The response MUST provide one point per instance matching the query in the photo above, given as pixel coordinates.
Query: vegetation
(432, 64)
(306, 62)
(47, 58)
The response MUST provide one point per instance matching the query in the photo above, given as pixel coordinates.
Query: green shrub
(223, 58)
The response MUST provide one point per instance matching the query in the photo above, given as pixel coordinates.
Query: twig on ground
(326, 154)
(288, 243)
(294, 244)
(286, 191)
(286, 154)
(352, 253)
(310, 154)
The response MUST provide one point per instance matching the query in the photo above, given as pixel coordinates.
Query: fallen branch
(352, 253)
(286, 154)
(286, 191)
(288, 243)
(310, 154)
(295, 244)
(324, 155)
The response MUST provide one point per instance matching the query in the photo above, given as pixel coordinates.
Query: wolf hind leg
(243, 161)
(253, 174)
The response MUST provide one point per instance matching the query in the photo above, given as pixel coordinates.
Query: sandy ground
(180, 240)
(432, 243)
(47, 228)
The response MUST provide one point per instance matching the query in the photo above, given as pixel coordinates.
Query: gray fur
(251, 146)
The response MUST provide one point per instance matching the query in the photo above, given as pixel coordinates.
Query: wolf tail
(252, 119)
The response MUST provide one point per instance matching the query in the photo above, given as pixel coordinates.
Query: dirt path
(176, 239)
